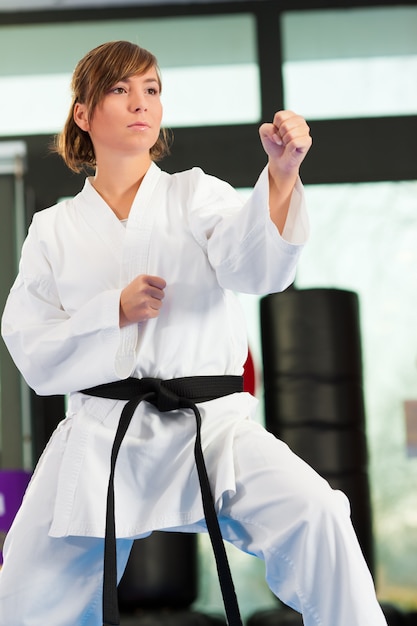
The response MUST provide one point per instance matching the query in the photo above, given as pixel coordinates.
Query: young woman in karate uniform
(135, 278)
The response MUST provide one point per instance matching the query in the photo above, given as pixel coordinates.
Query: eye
(118, 89)
(153, 91)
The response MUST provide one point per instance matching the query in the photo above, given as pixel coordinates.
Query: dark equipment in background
(313, 385)
(160, 583)
(312, 360)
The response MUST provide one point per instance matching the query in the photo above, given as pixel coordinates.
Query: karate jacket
(61, 326)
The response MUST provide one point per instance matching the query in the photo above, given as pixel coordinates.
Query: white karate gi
(61, 325)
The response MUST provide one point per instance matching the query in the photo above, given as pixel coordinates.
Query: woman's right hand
(141, 299)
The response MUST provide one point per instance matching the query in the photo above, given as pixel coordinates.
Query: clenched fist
(286, 141)
(141, 299)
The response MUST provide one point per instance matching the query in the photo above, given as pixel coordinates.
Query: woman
(134, 279)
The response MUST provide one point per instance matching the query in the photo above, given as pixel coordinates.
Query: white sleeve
(244, 246)
(56, 352)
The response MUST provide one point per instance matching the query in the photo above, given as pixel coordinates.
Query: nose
(138, 102)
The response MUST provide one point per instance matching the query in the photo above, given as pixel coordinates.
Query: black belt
(166, 395)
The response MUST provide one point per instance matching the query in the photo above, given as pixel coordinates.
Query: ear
(80, 116)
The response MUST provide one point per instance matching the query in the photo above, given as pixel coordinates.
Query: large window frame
(344, 150)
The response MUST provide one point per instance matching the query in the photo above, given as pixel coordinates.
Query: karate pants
(282, 511)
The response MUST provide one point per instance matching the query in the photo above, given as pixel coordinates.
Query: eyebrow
(147, 80)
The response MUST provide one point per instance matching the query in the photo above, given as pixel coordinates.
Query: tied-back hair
(97, 72)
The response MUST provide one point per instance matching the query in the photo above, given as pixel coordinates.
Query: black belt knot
(164, 399)
(159, 394)
(166, 395)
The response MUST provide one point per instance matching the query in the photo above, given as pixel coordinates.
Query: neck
(118, 183)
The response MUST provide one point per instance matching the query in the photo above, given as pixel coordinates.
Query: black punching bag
(161, 573)
(312, 362)
(160, 583)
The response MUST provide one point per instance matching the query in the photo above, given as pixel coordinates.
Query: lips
(140, 125)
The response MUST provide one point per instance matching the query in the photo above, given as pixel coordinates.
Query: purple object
(13, 485)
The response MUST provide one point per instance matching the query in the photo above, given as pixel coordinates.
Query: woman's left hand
(286, 142)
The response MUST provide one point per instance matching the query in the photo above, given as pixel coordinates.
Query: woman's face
(127, 120)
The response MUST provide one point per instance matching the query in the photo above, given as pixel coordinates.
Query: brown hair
(93, 76)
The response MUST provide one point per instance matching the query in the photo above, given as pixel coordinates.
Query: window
(364, 239)
(208, 64)
(350, 63)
